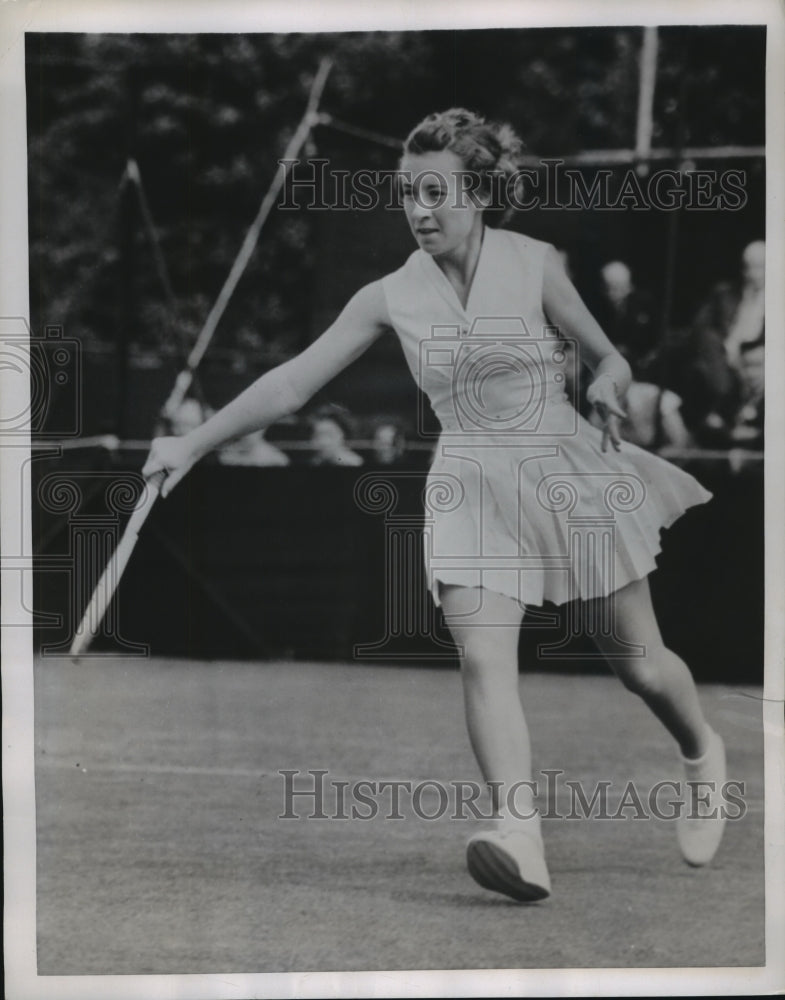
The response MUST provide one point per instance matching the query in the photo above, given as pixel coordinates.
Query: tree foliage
(207, 116)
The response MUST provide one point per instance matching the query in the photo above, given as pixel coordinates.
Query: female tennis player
(475, 307)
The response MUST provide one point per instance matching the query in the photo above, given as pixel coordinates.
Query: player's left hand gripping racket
(110, 578)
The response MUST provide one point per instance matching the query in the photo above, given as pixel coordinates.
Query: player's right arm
(281, 391)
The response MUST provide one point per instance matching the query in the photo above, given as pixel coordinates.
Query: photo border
(20, 16)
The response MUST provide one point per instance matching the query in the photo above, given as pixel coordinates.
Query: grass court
(160, 850)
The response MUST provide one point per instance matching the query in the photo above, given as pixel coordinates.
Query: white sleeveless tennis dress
(520, 499)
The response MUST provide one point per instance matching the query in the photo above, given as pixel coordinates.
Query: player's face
(441, 206)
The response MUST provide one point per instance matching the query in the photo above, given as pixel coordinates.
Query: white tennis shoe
(700, 826)
(511, 862)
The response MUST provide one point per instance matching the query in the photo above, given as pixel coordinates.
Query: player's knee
(475, 659)
(643, 676)
(486, 665)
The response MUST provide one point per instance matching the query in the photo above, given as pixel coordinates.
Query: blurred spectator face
(387, 444)
(187, 418)
(753, 370)
(327, 439)
(753, 264)
(617, 281)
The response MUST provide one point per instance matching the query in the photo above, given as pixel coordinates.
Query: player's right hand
(601, 394)
(172, 454)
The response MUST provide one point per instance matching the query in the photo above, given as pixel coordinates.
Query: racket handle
(110, 578)
(156, 481)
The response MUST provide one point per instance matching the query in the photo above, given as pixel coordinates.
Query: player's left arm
(566, 309)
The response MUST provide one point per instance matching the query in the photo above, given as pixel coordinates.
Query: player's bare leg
(486, 626)
(664, 682)
(659, 677)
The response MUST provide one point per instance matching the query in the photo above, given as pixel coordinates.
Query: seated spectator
(252, 450)
(388, 443)
(733, 315)
(189, 415)
(625, 314)
(654, 418)
(746, 324)
(331, 428)
(746, 431)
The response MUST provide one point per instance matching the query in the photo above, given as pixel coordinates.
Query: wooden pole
(128, 320)
(646, 87)
(309, 119)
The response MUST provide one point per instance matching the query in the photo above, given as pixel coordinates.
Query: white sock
(527, 821)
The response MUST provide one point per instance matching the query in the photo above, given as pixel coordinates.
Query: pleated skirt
(550, 517)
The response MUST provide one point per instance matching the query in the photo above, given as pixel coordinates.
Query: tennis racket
(110, 578)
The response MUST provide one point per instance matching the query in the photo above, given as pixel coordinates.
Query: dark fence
(314, 563)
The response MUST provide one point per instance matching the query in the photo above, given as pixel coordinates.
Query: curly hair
(491, 150)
